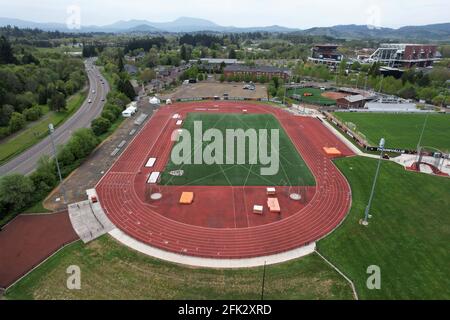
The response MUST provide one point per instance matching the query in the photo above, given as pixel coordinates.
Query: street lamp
(365, 222)
(51, 128)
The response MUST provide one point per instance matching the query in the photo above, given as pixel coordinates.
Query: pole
(263, 281)
(52, 129)
(366, 213)
(423, 130)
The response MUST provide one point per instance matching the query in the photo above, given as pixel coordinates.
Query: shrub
(100, 125)
(16, 122)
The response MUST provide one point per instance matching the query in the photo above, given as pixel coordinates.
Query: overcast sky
(241, 13)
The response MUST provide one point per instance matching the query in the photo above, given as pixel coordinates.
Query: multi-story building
(397, 55)
(325, 54)
(256, 72)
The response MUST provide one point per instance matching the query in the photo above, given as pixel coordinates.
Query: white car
(90, 101)
(93, 91)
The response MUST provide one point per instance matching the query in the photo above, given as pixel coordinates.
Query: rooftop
(244, 68)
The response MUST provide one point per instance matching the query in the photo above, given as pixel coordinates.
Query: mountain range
(184, 24)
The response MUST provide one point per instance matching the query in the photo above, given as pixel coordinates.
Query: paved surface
(26, 162)
(91, 171)
(213, 88)
(88, 220)
(28, 240)
(123, 191)
(122, 237)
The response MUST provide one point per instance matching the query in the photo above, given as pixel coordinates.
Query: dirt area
(28, 239)
(91, 171)
(334, 95)
(213, 88)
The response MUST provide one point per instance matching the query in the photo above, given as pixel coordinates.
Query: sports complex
(227, 211)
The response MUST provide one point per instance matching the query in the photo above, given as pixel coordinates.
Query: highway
(26, 162)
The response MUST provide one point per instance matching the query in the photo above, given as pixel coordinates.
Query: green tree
(147, 75)
(100, 125)
(232, 54)
(57, 102)
(16, 122)
(184, 53)
(6, 52)
(16, 192)
(44, 177)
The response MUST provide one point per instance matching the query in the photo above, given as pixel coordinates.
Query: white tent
(154, 101)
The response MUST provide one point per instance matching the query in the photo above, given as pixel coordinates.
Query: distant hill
(428, 32)
(435, 32)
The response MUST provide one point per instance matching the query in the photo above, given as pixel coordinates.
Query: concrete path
(123, 238)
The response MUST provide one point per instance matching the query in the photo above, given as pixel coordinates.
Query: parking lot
(211, 89)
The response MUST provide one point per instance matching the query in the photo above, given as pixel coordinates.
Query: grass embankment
(407, 236)
(112, 271)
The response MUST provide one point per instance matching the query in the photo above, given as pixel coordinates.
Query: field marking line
(190, 154)
(355, 295)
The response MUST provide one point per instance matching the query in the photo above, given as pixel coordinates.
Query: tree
(16, 122)
(408, 92)
(6, 53)
(374, 70)
(32, 114)
(100, 125)
(356, 66)
(125, 87)
(5, 114)
(16, 192)
(183, 53)
(232, 54)
(44, 177)
(147, 75)
(107, 114)
(57, 102)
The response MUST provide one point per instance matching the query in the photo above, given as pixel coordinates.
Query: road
(26, 162)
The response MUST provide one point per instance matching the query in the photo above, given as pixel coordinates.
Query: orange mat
(187, 198)
(273, 205)
(332, 151)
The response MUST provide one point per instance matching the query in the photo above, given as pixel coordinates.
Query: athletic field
(316, 97)
(401, 130)
(292, 169)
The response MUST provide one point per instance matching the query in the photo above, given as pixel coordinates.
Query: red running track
(122, 193)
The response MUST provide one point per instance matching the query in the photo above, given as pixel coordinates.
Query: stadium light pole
(366, 213)
(51, 128)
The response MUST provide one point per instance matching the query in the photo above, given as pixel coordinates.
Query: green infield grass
(401, 130)
(316, 97)
(292, 170)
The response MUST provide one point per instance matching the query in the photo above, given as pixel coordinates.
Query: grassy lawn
(401, 130)
(35, 133)
(316, 97)
(292, 169)
(112, 271)
(407, 236)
